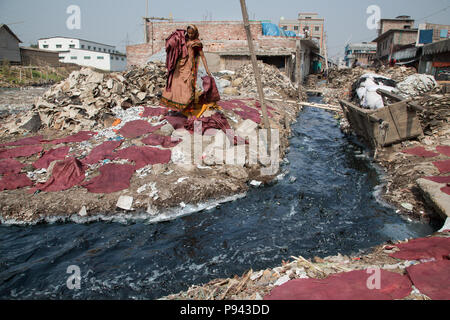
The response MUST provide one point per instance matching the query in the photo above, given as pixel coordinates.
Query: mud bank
(154, 188)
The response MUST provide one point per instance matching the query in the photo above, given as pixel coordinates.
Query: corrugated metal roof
(407, 53)
(437, 47)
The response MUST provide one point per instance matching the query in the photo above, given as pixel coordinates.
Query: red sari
(181, 95)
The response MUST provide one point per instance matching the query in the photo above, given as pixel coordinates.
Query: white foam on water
(126, 218)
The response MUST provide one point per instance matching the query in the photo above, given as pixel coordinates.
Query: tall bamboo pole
(256, 72)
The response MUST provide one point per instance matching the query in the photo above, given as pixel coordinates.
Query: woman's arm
(205, 64)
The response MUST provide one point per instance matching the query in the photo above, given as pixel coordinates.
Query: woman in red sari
(180, 94)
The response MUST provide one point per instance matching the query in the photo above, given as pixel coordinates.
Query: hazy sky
(119, 23)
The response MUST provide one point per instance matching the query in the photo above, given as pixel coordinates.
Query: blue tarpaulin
(271, 29)
(426, 36)
(290, 33)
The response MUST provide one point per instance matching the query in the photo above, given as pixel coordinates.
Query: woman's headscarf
(193, 27)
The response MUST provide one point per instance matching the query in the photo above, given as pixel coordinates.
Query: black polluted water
(327, 203)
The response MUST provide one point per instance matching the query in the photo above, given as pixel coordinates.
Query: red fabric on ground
(210, 93)
(113, 177)
(24, 142)
(66, 174)
(445, 150)
(443, 166)
(216, 121)
(176, 122)
(25, 151)
(78, 137)
(157, 140)
(246, 113)
(137, 128)
(439, 179)
(10, 166)
(143, 156)
(423, 248)
(50, 156)
(15, 181)
(432, 279)
(154, 112)
(421, 152)
(446, 190)
(103, 151)
(344, 286)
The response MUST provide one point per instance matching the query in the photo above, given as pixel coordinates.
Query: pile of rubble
(437, 113)
(85, 99)
(340, 78)
(275, 83)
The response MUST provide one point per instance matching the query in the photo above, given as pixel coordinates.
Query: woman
(179, 93)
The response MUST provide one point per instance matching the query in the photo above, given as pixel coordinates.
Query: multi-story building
(308, 24)
(85, 53)
(393, 35)
(399, 23)
(362, 52)
(430, 33)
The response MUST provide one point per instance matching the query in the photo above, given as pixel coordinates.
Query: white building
(85, 53)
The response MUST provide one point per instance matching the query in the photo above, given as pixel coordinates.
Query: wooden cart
(396, 122)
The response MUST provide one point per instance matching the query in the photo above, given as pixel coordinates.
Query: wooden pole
(326, 54)
(256, 69)
(298, 68)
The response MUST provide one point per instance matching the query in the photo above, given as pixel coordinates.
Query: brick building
(307, 23)
(225, 45)
(399, 23)
(394, 35)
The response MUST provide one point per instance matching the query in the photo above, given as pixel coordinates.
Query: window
(109, 50)
(73, 58)
(95, 48)
(317, 28)
(45, 46)
(71, 46)
(407, 27)
(87, 57)
(99, 58)
(58, 46)
(296, 28)
(112, 57)
(122, 59)
(89, 47)
(117, 58)
(82, 46)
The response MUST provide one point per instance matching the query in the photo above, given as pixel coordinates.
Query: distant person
(356, 64)
(183, 49)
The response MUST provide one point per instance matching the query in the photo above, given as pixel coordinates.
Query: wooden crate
(392, 124)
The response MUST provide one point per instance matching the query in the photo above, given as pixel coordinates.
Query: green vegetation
(23, 75)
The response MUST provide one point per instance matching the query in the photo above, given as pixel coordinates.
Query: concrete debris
(125, 202)
(255, 183)
(82, 212)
